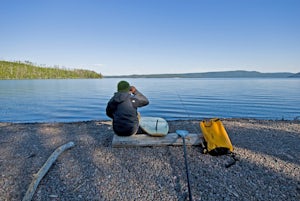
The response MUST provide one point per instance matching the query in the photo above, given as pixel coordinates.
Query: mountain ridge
(217, 74)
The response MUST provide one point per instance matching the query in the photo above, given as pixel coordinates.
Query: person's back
(122, 108)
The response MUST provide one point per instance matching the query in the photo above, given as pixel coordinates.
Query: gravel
(268, 166)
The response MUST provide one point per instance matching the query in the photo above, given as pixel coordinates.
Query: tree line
(27, 70)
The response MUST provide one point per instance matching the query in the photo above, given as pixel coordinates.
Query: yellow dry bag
(216, 140)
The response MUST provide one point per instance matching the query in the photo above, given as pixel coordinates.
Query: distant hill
(27, 70)
(297, 75)
(220, 74)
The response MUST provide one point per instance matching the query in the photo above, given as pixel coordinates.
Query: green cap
(123, 86)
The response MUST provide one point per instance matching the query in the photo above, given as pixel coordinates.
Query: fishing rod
(183, 134)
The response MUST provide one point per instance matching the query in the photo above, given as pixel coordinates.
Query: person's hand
(132, 89)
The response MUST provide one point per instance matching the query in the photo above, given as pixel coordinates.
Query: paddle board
(154, 126)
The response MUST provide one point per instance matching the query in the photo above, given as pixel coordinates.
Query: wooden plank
(142, 140)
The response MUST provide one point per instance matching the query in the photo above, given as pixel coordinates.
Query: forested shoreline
(28, 70)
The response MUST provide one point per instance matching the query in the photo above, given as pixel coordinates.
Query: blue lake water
(83, 100)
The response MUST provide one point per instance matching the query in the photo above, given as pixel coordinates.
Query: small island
(27, 70)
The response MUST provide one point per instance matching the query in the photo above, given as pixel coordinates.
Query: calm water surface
(82, 100)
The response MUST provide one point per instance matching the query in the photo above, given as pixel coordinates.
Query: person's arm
(110, 109)
(140, 99)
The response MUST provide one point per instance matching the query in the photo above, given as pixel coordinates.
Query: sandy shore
(268, 169)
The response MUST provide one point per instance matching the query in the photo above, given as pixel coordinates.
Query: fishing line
(186, 111)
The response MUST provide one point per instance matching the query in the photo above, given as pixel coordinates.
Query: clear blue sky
(118, 37)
